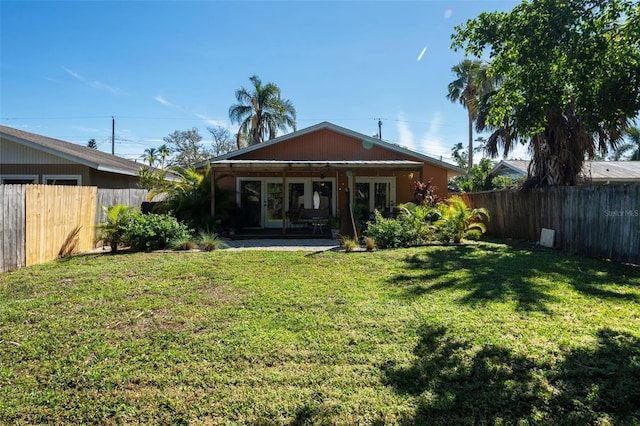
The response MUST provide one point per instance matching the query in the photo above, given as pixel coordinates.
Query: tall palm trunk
(471, 120)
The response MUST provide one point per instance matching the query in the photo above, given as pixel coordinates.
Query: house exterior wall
(112, 180)
(89, 177)
(226, 180)
(42, 170)
(13, 153)
(327, 145)
(20, 160)
(323, 145)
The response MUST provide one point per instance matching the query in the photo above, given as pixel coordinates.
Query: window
(71, 180)
(18, 179)
(374, 193)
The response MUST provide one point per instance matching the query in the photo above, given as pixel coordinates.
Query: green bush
(209, 242)
(457, 220)
(392, 233)
(112, 231)
(146, 232)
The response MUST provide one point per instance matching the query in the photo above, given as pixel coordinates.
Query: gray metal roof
(89, 157)
(598, 171)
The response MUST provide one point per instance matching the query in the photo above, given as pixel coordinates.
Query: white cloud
(431, 141)
(102, 86)
(74, 74)
(162, 100)
(98, 85)
(211, 121)
(405, 135)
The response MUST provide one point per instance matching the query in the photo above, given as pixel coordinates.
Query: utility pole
(113, 136)
(379, 129)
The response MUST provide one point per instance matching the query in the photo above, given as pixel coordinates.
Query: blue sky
(159, 66)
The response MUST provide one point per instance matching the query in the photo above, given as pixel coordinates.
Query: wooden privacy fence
(598, 221)
(39, 223)
(12, 227)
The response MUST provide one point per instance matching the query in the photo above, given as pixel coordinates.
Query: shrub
(369, 243)
(209, 242)
(473, 234)
(420, 217)
(457, 220)
(391, 233)
(112, 232)
(146, 232)
(426, 193)
(348, 244)
(185, 243)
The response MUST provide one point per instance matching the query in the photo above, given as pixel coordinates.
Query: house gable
(323, 145)
(14, 153)
(327, 142)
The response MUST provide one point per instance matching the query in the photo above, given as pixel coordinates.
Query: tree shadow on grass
(455, 385)
(494, 273)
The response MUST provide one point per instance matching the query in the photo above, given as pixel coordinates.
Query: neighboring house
(314, 167)
(597, 172)
(30, 158)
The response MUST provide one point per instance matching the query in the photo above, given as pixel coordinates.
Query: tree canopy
(569, 79)
(222, 140)
(261, 112)
(186, 148)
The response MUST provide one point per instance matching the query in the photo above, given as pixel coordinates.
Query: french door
(264, 201)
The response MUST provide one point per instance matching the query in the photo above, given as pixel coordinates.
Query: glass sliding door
(275, 202)
(251, 203)
(373, 193)
(296, 195)
(325, 193)
(382, 196)
(265, 202)
(361, 204)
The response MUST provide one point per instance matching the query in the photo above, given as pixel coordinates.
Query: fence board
(597, 221)
(110, 197)
(59, 220)
(38, 223)
(12, 219)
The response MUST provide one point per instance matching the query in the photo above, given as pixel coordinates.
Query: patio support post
(283, 212)
(213, 191)
(337, 195)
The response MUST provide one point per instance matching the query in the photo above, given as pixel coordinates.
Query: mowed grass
(480, 334)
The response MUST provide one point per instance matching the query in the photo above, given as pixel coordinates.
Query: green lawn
(481, 334)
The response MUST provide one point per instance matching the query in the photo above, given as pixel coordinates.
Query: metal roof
(597, 171)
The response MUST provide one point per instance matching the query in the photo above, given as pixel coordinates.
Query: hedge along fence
(597, 221)
(40, 223)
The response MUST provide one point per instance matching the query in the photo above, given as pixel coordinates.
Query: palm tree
(472, 81)
(150, 155)
(634, 146)
(164, 152)
(261, 112)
